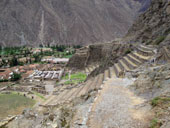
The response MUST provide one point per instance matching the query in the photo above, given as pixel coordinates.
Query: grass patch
(154, 123)
(159, 100)
(67, 56)
(39, 95)
(12, 104)
(75, 78)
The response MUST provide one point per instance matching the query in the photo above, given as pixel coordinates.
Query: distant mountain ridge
(35, 22)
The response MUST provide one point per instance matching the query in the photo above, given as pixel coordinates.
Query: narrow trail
(118, 107)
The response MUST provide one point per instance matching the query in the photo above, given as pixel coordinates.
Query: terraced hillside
(79, 105)
(127, 63)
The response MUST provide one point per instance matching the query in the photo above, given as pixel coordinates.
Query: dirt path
(117, 107)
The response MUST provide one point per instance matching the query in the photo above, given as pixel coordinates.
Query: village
(31, 73)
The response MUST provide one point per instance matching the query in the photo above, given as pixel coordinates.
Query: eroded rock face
(152, 82)
(35, 22)
(152, 27)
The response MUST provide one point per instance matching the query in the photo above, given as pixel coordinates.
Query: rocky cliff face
(153, 26)
(35, 22)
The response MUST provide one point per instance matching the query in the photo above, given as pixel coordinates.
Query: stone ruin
(46, 75)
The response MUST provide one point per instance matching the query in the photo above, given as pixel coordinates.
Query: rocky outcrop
(153, 83)
(35, 22)
(152, 27)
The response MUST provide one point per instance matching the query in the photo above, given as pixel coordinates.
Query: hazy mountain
(35, 22)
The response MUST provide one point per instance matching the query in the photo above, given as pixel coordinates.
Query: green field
(13, 104)
(75, 78)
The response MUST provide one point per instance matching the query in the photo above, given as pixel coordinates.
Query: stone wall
(103, 54)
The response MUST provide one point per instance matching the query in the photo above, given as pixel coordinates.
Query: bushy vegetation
(160, 108)
(128, 51)
(37, 58)
(75, 78)
(15, 76)
(11, 55)
(159, 100)
(4, 80)
(155, 124)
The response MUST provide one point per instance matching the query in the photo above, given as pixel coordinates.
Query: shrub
(159, 100)
(154, 123)
(14, 61)
(127, 51)
(37, 57)
(159, 40)
(15, 77)
(4, 80)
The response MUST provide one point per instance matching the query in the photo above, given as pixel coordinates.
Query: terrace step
(121, 66)
(142, 56)
(109, 73)
(118, 68)
(126, 67)
(130, 62)
(146, 48)
(133, 60)
(86, 70)
(70, 93)
(144, 52)
(93, 85)
(60, 97)
(85, 89)
(116, 71)
(75, 93)
(112, 72)
(127, 64)
(100, 81)
(138, 57)
(90, 69)
(106, 74)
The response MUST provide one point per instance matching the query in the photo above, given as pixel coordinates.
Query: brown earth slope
(35, 22)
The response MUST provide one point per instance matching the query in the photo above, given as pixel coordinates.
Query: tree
(15, 76)
(37, 57)
(14, 61)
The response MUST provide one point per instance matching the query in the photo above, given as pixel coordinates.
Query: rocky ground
(153, 84)
(118, 107)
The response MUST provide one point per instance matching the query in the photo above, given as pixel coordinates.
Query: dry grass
(12, 104)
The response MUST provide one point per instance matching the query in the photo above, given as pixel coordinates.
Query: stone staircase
(91, 68)
(129, 62)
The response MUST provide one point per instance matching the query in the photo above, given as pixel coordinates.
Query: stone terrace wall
(103, 54)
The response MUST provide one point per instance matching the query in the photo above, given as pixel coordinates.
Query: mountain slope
(82, 22)
(153, 26)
